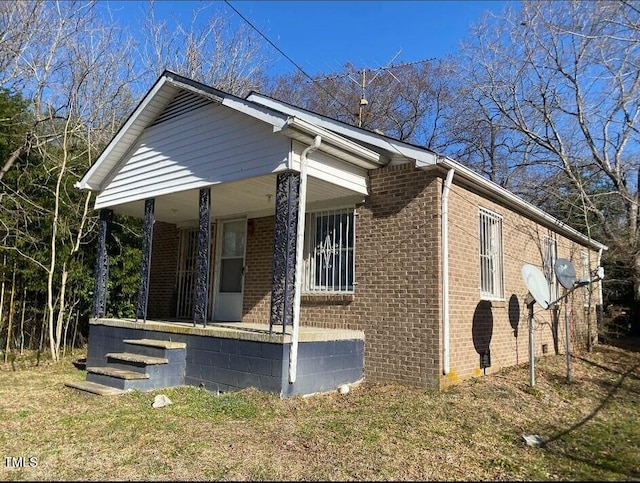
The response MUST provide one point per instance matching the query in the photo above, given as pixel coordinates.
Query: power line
(387, 68)
(315, 81)
(267, 39)
(285, 55)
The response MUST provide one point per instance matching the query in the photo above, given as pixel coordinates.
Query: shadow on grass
(631, 344)
(80, 364)
(612, 391)
(628, 373)
(604, 402)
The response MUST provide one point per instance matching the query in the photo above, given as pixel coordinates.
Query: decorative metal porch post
(102, 267)
(145, 267)
(201, 294)
(284, 249)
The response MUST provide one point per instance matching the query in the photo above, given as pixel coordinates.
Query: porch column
(201, 294)
(284, 249)
(102, 266)
(145, 267)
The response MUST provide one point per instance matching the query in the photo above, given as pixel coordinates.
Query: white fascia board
(515, 201)
(86, 181)
(276, 119)
(393, 147)
(346, 149)
(154, 193)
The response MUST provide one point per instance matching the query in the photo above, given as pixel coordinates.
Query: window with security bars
(550, 257)
(329, 263)
(491, 255)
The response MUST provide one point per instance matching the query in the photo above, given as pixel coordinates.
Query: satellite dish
(565, 273)
(537, 284)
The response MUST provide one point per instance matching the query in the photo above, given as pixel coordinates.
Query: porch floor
(235, 330)
(223, 356)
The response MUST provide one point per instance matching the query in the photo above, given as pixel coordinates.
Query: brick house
(409, 267)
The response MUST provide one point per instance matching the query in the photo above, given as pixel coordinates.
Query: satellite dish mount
(538, 287)
(538, 292)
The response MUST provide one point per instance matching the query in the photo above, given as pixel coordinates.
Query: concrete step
(163, 344)
(137, 358)
(94, 388)
(117, 373)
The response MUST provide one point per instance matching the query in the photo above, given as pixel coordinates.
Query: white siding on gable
(126, 136)
(201, 146)
(322, 166)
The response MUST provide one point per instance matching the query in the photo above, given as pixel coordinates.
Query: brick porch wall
(259, 269)
(164, 262)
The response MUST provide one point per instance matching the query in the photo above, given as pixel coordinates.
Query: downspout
(600, 297)
(302, 201)
(445, 270)
(600, 313)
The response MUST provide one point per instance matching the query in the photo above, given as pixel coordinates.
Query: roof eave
(91, 180)
(332, 143)
(392, 147)
(516, 202)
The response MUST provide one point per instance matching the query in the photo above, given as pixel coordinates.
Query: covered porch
(229, 338)
(221, 253)
(206, 165)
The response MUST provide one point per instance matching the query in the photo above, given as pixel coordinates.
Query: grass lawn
(473, 431)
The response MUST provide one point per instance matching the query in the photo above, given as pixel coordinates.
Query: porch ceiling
(253, 197)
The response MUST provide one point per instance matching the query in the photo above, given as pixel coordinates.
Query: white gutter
(302, 201)
(445, 270)
(393, 146)
(305, 131)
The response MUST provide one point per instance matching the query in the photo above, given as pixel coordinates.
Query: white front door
(231, 246)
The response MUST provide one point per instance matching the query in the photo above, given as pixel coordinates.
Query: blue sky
(322, 36)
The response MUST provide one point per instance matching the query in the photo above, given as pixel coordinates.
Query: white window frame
(550, 257)
(491, 255)
(336, 253)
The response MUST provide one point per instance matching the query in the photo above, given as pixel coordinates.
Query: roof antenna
(363, 85)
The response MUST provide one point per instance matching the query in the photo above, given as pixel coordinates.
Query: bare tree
(404, 101)
(76, 81)
(80, 75)
(19, 28)
(477, 134)
(562, 80)
(209, 49)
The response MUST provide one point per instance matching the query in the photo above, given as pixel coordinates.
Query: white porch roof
(184, 136)
(252, 197)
